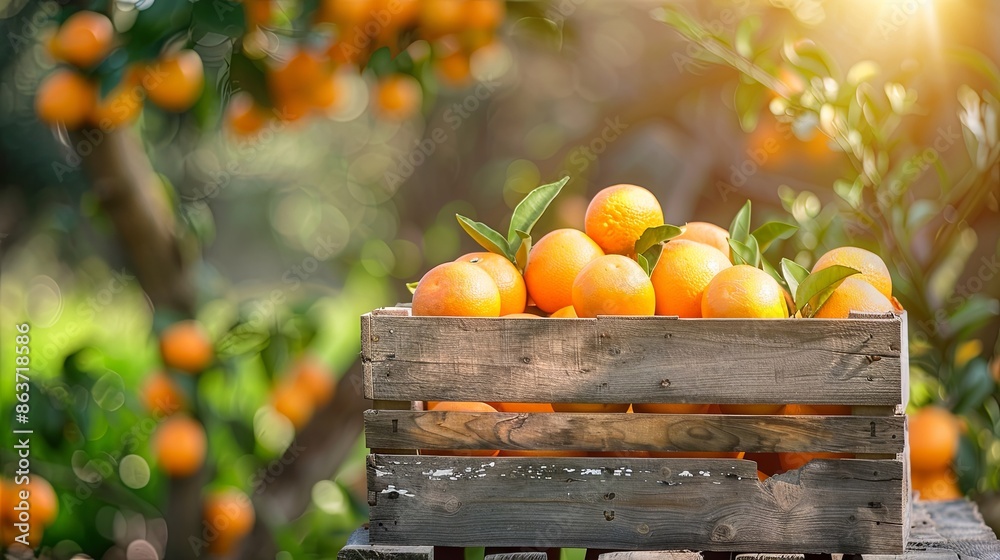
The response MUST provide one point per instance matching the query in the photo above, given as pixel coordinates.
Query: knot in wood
(615, 351)
(452, 505)
(665, 383)
(609, 515)
(873, 359)
(722, 532)
(609, 496)
(642, 529)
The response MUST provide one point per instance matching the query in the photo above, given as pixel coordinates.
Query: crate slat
(633, 432)
(634, 359)
(844, 506)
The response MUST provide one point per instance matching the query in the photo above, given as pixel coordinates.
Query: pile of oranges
(70, 95)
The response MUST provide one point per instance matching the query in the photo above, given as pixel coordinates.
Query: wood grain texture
(652, 555)
(358, 548)
(769, 556)
(633, 432)
(517, 556)
(634, 359)
(636, 504)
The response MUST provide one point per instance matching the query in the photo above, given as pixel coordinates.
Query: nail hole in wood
(873, 429)
(615, 351)
(393, 495)
(526, 360)
(375, 337)
(609, 515)
(665, 383)
(395, 426)
(609, 496)
(893, 436)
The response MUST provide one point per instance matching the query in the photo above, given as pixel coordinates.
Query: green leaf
(224, 17)
(748, 101)
(742, 254)
(744, 34)
(817, 287)
(651, 256)
(977, 61)
(485, 236)
(523, 248)
(531, 208)
(771, 232)
(739, 229)
(794, 273)
(754, 249)
(412, 286)
(656, 235)
(772, 272)
(644, 264)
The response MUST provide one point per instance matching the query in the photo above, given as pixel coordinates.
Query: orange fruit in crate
(540, 453)
(230, 513)
(767, 463)
(176, 81)
(681, 275)
(186, 346)
(521, 316)
(853, 294)
(708, 234)
(743, 291)
(65, 97)
(179, 445)
(456, 406)
(591, 407)
(161, 394)
(697, 454)
(763, 409)
(663, 408)
(513, 294)
(613, 285)
(871, 266)
(936, 485)
(761, 476)
(934, 436)
(457, 289)
(791, 461)
(565, 313)
(554, 263)
(84, 39)
(618, 215)
(524, 407)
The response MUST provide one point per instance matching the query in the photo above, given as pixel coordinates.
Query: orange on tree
(513, 294)
(458, 289)
(84, 39)
(590, 407)
(553, 264)
(618, 215)
(399, 96)
(121, 106)
(293, 403)
(179, 445)
(258, 12)
(681, 275)
(745, 292)
(65, 97)
(346, 13)
(484, 14)
(230, 514)
(186, 346)
(934, 436)
(567, 312)
(176, 80)
(707, 233)
(453, 68)
(161, 394)
(37, 498)
(871, 266)
(13, 540)
(457, 406)
(313, 377)
(613, 285)
(441, 17)
(671, 408)
(243, 116)
(853, 294)
(936, 486)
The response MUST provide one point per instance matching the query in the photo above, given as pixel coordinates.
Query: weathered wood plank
(517, 556)
(630, 504)
(769, 556)
(633, 432)
(358, 548)
(651, 555)
(635, 359)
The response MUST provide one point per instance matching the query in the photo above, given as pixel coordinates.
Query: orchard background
(198, 200)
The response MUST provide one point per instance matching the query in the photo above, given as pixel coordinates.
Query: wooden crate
(632, 503)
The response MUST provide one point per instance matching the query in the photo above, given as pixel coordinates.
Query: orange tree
(186, 452)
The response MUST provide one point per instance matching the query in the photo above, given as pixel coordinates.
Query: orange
(743, 291)
(84, 39)
(697, 454)
(461, 407)
(453, 68)
(161, 395)
(230, 515)
(567, 312)
(871, 266)
(179, 445)
(613, 285)
(790, 461)
(258, 12)
(483, 14)
(121, 106)
(750, 408)
(513, 294)
(540, 453)
(399, 96)
(581, 407)
(554, 263)
(522, 316)
(936, 486)
(524, 407)
(767, 463)
(347, 12)
(709, 234)
(820, 409)
(42, 501)
(312, 377)
(293, 403)
(681, 275)
(186, 346)
(65, 97)
(853, 294)
(618, 215)
(933, 439)
(663, 408)
(176, 80)
(761, 476)
(458, 289)
(441, 17)
(243, 116)
(326, 94)
(16, 548)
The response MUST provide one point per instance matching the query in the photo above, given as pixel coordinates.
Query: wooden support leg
(522, 553)
(357, 548)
